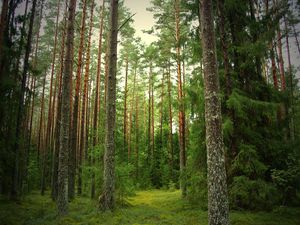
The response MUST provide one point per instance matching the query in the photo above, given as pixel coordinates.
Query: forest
(199, 125)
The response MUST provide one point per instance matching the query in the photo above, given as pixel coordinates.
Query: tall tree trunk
(218, 210)
(137, 138)
(15, 176)
(107, 201)
(62, 200)
(50, 109)
(171, 151)
(41, 144)
(281, 63)
(84, 113)
(3, 24)
(150, 155)
(290, 111)
(55, 158)
(181, 116)
(74, 141)
(125, 107)
(97, 98)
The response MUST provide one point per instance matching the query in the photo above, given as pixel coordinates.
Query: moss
(152, 207)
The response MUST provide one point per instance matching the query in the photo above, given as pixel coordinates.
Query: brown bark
(62, 200)
(171, 151)
(84, 122)
(74, 141)
(50, 109)
(54, 178)
(281, 63)
(125, 142)
(15, 184)
(218, 210)
(162, 107)
(107, 201)
(181, 114)
(97, 97)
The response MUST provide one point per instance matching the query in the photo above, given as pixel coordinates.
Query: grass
(153, 207)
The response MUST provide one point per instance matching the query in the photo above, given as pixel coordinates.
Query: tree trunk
(218, 210)
(125, 107)
(107, 201)
(84, 122)
(73, 150)
(290, 111)
(97, 98)
(15, 190)
(50, 109)
(62, 200)
(3, 24)
(171, 151)
(181, 116)
(281, 63)
(54, 179)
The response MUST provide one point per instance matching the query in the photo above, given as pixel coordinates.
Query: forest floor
(152, 207)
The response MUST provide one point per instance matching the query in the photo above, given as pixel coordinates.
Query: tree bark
(3, 24)
(62, 200)
(171, 151)
(125, 106)
(74, 141)
(181, 114)
(97, 98)
(84, 113)
(15, 190)
(218, 210)
(54, 178)
(107, 201)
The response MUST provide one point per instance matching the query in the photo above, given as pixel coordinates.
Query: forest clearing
(150, 112)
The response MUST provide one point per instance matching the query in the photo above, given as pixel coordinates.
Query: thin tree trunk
(171, 151)
(290, 111)
(54, 180)
(84, 122)
(62, 200)
(107, 201)
(281, 63)
(50, 109)
(218, 210)
(125, 107)
(15, 176)
(3, 24)
(97, 98)
(181, 116)
(74, 141)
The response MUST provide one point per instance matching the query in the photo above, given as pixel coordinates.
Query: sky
(143, 20)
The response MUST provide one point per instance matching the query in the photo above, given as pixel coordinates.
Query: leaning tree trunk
(107, 201)
(62, 198)
(218, 210)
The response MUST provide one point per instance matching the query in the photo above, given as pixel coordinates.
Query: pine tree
(107, 201)
(218, 212)
(62, 200)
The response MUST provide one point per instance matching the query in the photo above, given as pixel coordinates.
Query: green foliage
(252, 194)
(124, 182)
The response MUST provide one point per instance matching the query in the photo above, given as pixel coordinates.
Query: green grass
(147, 207)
